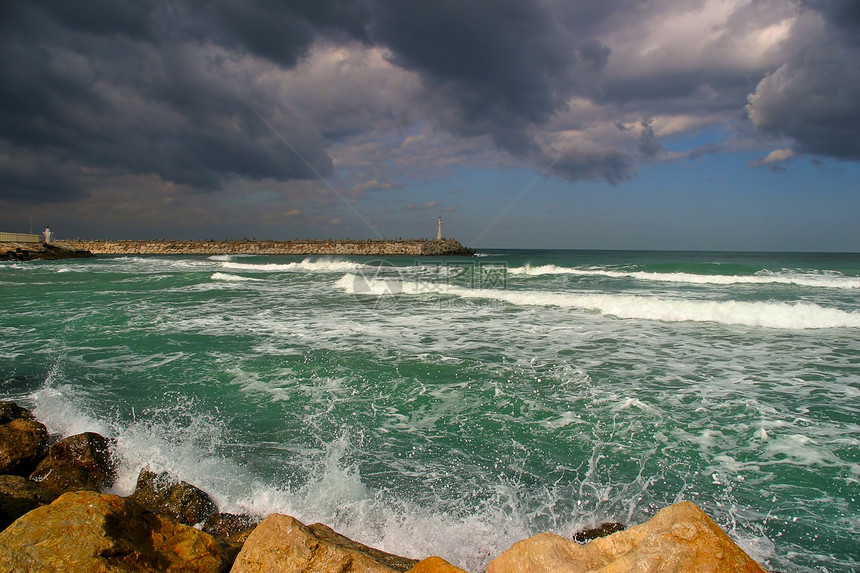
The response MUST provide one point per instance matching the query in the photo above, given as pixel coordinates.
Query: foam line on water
(811, 280)
(307, 265)
(796, 316)
(231, 278)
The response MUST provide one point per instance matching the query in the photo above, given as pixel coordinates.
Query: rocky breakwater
(43, 251)
(385, 247)
(55, 517)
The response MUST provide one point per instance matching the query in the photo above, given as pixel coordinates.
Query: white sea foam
(230, 277)
(798, 316)
(307, 265)
(824, 280)
(56, 407)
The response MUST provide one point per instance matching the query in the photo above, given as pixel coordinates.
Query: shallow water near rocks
(452, 407)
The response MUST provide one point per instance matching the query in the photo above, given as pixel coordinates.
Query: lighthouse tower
(439, 231)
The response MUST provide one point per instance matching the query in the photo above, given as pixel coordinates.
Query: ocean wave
(794, 316)
(812, 280)
(307, 265)
(229, 277)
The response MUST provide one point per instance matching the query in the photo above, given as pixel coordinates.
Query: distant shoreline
(382, 247)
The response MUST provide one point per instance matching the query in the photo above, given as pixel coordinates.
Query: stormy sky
(700, 124)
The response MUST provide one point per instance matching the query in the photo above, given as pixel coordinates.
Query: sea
(453, 406)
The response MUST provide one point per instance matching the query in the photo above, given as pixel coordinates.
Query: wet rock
(283, 544)
(87, 531)
(231, 531)
(11, 411)
(18, 495)
(23, 443)
(602, 530)
(230, 526)
(173, 499)
(435, 565)
(679, 538)
(80, 462)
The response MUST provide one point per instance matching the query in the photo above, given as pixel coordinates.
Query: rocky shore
(55, 517)
(413, 247)
(41, 251)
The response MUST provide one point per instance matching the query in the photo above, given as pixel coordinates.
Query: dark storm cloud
(115, 87)
(183, 89)
(111, 95)
(813, 97)
(500, 68)
(591, 162)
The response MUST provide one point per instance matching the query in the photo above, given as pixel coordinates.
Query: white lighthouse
(439, 230)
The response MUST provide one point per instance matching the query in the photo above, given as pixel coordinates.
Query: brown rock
(395, 562)
(282, 544)
(11, 411)
(679, 539)
(176, 500)
(230, 531)
(231, 527)
(435, 565)
(23, 443)
(77, 463)
(601, 530)
(18, 495)
(86, 531)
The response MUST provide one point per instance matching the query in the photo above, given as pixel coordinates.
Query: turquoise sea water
(452, 407)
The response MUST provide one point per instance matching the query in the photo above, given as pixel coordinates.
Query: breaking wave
(794, 316)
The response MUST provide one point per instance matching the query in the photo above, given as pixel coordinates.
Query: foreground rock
(18, 496)
(23, 440)
(87, 531)
(11, 411)
(602, 530)
(231, 531)
(173, 499)
(282, 544)
(679, 539)
(81, 462)
(435, 565)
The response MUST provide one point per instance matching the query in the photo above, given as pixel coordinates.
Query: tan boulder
(282, 544)
(396, 562)
(435, 565)
(681, 538)
(87, 531)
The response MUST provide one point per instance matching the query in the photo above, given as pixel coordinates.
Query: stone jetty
(382, 247)
(14, 251)
(54, 516)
